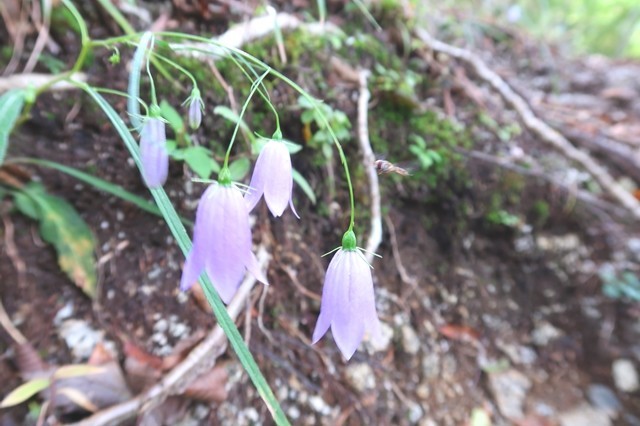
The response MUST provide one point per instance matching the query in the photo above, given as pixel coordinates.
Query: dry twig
(201, 358)
(23, 81)
(18, 263)
(533, 123)
(368, 159)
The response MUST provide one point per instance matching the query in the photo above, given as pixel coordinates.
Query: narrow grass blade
(100, 184)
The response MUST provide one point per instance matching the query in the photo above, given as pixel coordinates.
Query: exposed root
(368, 159)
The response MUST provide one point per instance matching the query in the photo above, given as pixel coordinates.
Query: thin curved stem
(298, 89)
(254, 87)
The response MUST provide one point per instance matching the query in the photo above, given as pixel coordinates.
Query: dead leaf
(142, 368)
(90, 392)
(144, 357)
(210, 387)
(100, 355)
(459, 332)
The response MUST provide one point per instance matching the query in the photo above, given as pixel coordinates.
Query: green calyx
(224, 177)
(349, 240)
(277, 135)
(155, 111)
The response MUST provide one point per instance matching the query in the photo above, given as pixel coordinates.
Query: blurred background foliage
(608, 27)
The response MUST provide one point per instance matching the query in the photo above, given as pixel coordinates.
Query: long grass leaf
(11, 104)
(99, 184)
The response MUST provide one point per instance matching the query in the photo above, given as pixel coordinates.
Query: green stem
(154, 99)
(254, 87)
(122, 94)
(117, 16)
(85, 42)
(264, 95)
(176, 66)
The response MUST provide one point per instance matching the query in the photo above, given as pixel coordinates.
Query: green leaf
(24, 392)
(239, 168)
(172, 116)
(180, 234)
(304, 185)
(26, 205)
(11, 104)
(200, 161)
(62, 226)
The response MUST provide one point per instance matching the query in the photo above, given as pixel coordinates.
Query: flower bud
(195, 109)
(153, 152)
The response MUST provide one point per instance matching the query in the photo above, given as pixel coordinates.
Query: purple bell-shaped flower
(221, 242)
(272, 177)
(153, 152)
(348, 304)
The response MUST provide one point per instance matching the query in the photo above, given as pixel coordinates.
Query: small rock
(361, 377)
(423, 391)
(602, 398)
(544, 333)
(80, 338)
(431, 365)
(633, 245)
(318, 405)
(415, 412)
(64, 313)
(509, 390)
(410, 340)
(293, 413)
(583, 415)
(625, 375)
(518, 354)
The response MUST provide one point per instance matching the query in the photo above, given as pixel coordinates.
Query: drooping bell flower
(195, 109)
(348, 303)
(221, 241)
(153, 152)
(272, 177)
